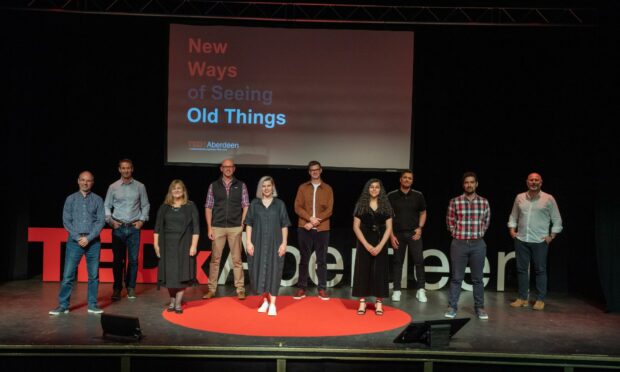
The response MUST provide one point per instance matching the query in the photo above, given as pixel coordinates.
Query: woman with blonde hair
(266, 240)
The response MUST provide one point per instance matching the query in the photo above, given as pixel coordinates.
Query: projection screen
(282, 97)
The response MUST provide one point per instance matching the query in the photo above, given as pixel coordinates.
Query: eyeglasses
(315, 170)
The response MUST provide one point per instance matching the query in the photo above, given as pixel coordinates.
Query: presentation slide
(283, 97)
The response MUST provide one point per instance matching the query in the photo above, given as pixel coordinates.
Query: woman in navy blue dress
(266, 241)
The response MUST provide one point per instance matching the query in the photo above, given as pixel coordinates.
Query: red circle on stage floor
(308, 317)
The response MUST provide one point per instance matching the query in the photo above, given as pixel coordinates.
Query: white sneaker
(421, 295)
(263, 308)
(272, 310)
(396, 296)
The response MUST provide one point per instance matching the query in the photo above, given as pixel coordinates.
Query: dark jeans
(125, 244)
(308, 241)
(537, 253)
(462, 253)
(416, 256)
(73, 255)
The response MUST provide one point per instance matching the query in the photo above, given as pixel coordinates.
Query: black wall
(87, 90)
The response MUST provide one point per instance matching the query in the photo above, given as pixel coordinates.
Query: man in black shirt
(409, 219)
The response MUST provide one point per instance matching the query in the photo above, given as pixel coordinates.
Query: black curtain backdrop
(608, 237)
(607, 213)
(88, 90)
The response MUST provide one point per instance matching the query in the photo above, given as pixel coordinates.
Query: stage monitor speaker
(434, 333)
(121, 328)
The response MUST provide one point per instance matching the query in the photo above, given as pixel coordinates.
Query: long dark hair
(363, 203)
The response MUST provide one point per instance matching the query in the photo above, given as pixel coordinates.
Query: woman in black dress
(176, 240)
(266, 239)
(372, 224)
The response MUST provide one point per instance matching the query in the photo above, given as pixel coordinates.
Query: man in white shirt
(533, 224)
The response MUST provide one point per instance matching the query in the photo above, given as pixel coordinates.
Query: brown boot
(209, 295)
(519, 303)
(539, 305)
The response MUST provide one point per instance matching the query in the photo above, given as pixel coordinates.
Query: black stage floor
(570, 334)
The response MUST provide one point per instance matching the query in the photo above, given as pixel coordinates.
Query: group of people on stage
(398, 217)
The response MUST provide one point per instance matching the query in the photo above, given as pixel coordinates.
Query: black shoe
(59, 310)
(170, 308)
(178, 310)
(116, 295)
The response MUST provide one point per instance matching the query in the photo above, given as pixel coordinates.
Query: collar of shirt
(400, 191)
(464, 197)
(536, 197)
(227, 184)
(309, 183)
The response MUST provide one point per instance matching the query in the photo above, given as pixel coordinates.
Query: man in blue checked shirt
(83, 216)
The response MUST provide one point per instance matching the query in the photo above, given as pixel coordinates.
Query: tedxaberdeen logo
(212, 146)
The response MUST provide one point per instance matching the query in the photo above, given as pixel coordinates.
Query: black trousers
(309, 241)
(416, 256)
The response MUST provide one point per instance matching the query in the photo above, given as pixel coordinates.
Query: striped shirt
(468, 219)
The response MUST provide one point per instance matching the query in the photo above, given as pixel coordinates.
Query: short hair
(469, 174)
(406, 171)
(259, 192)
(125, 161)
(86, 171)
(169, 199)
(312, 163)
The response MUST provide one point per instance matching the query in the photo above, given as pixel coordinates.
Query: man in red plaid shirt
(468, 219)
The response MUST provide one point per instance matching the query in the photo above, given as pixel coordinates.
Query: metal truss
(392, 13)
